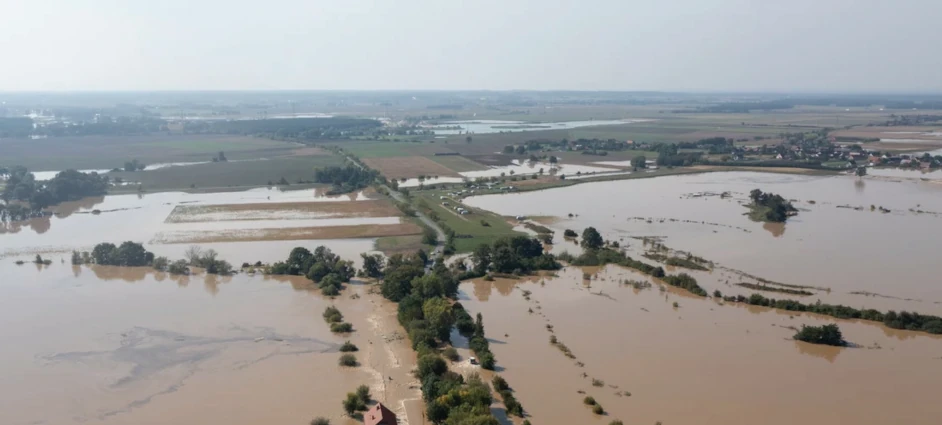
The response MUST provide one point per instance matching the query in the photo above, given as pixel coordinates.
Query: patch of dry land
(405, 167)
(288, 234)
(281, 211)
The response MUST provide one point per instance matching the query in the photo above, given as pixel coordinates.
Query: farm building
(379, 415)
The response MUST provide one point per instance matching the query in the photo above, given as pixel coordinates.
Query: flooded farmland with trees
(690, 359)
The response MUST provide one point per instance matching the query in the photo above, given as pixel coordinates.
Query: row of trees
(133, 254)
(68, 185)
(903, 320)
(426, 312)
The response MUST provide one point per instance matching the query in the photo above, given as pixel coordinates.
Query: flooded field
(862, 257)
(131, 346)
(497, 126)
(528, 168)
(159, 220)
(648, 361)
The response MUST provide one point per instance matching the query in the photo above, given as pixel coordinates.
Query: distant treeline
(303, 129)
(889, 102)
(15, 127)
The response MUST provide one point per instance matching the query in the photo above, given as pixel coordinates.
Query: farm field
(232, 174)
(93, 152)
(405, 167)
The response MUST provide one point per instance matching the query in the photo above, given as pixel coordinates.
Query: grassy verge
(470, 229)
(399, 244)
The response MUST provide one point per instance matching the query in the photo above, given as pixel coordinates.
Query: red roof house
(379, 415)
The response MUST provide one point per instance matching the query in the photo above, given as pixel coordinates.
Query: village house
(379, 415)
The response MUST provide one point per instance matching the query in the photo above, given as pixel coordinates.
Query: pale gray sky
(675, 45)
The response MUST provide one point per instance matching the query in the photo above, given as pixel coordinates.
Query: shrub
(597, 409)
(500, 384)
(616, 422)
(451, 354)
(333, 315)
(341, 327)
(352, 404)
(160, 263)
(320, 421)
(330, 290)
(363, 393)
(348, 347)
(589, 400)
(569, 233)
(178, 267)
(348, 360)
(553, 339)
(598, 382)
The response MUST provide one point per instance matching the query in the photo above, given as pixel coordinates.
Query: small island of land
(770, 207)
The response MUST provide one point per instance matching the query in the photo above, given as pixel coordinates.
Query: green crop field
(223, 175)
(457, 163)
(92, 152)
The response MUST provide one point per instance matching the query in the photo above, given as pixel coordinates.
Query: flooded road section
(110, 345)
(272, 218)
(858, 256)
(698, 362)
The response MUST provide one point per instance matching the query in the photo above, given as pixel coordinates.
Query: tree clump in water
(770, 207)
(826, 335)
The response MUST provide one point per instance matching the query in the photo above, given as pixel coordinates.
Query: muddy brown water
(698, 363)
(142, 218)
(116, 345)
(827, 246)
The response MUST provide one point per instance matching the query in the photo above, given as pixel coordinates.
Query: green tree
(373, 265)
(861, 171)
(438, 316)
(508, 150)
(591, 239)
(553, 159)
(639, 161)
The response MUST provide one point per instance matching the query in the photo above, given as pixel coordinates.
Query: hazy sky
(701, 45)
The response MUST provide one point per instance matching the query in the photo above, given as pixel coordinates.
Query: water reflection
(776, 229)
(825, 352)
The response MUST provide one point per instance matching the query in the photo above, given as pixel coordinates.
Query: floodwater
(48, 175)
(836, 242)
(592, 175)
(144, 218)
(530, 168)
(497, 126)
(700, 363)
(905, 173)
(118, 345)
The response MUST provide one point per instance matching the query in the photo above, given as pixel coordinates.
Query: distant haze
(680, 45)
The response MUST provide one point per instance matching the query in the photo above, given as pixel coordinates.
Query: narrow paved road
(440, 246)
